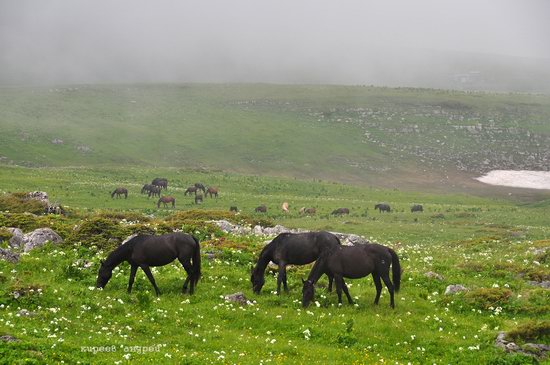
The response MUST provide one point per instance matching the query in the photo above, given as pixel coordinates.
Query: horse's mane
(120, 253)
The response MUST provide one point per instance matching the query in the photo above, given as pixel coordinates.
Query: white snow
(517, 178)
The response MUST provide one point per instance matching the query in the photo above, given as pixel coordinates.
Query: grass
(488, 245)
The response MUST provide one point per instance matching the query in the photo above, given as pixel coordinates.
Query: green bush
(20, 203)
(532, 331)
(485, 298)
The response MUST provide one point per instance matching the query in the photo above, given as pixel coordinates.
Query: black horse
(382, 207)
(340, 211)
(145, 189)
(355, 262)
(417, 208)
(261, 209)
(120, 191)
(200, 186)
(191, 190)
(234, 209)
(154, 191)
(145, 251)
(161, 182)
(291, 249)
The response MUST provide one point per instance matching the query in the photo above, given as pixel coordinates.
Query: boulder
(433, 275)
(41, 196)
(542, 284)
(39, 237)
(456, 288)
(8, 338)
(9, 256)
(16, 241)
(237, 297)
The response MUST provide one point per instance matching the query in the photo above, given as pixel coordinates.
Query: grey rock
(16, 241)
(39, 237)
(9, 256)
(25, 313)
(542, 284)
(41, 196)
(8, 338)
(210, 255)
(453, 289)
(433, 275)
(237, 298)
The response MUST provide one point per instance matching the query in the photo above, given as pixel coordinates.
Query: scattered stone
(9, 256)
(84, 149)
(57, 141)
(529, 349)
(433, 275)
(39, 237)
(25, 313)
(41, 196)
(237, 297)
(542, 284)
(8, 338)
(453, 289)
(210, 255)
(16, 241)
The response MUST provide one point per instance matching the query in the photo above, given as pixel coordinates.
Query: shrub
(488, 297)
(20, 203)
(532, 331)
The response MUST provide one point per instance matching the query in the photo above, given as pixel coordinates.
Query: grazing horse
(145, 251)
(213, 191)
(417, 208)
(284, 207)
(233, 208)
(145, 189)
(200, 186)
(261, 209)
(154, 190)
(382, 207)
(119, 192)
(355, 262)
(191, 189)
(198, 198)
(165, 200)
(161, 182)
(308, 211)
(340, 211)
(291, 249)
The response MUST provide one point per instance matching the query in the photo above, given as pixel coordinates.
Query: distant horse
(284, 207)
(154, 190)
(417, 208)
(191, 189)
(145, 189)
(198, 198)
(308, 211)
(119, 192)
(382, 207)
(145, 251)
(213, 191)
(355, 262)
(340, 211)
(292, 249)
(200, 186)
(233, 208)
(165, 200)
(161, 182)
(261, 209)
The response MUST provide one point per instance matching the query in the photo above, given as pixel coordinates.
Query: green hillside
(342, 133)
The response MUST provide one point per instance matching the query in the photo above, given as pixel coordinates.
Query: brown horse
(120, 191)
(165, 200)
(308, 211)
(261, 209)
(340, 211)
(213, 191)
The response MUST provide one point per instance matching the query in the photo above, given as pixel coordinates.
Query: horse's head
(103, 276)
(308, 292)
(258, 281)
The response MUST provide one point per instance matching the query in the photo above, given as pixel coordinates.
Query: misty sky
(283, 41)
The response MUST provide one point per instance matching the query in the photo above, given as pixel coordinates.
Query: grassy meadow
(312, 146)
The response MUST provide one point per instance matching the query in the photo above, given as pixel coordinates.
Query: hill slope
(341, 133)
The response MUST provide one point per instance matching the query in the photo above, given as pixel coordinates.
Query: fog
(469, 44)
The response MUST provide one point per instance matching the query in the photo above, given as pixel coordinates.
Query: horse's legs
(281, 276)
(284, 282)
(149, 274)
(330, 280)
(345, 288)
(378, 284)
(189, 270)
(389, 285)
(339, 281)
(133, 270)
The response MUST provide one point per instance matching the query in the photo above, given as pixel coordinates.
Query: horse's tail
(396, 270)
(196, 262)
(113, 194)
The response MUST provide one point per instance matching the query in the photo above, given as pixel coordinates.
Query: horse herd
(332, 259)
(155, 189)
